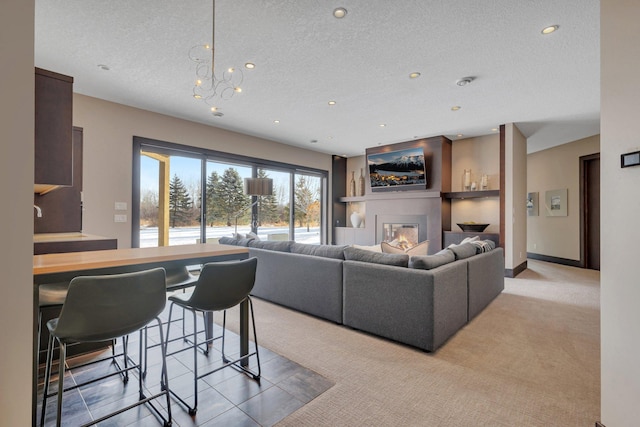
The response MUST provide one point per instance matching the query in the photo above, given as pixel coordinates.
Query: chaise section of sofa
(421, 308)
(308, 283)
(485, 279)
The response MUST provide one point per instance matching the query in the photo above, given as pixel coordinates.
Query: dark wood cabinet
(62, 208)
(53, 129)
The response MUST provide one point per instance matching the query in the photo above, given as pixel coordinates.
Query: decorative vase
(484, 182)
(466, 180)
(361, 187)
(356, 219)
(352, 185)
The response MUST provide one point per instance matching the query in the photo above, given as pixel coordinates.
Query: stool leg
(255, 339)
(193, 410)
(47, 378)
(63, 357)
(224, 329)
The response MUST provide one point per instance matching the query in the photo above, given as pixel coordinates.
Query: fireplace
(404, 236)
(404, 231)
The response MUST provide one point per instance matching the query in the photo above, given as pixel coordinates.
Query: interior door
(591, 211)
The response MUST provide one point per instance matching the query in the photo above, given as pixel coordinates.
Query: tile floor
(226, 398)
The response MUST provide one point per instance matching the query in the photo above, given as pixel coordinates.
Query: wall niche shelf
(471, 194)
(395, 195)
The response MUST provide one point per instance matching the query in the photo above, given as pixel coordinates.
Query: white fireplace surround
(421, 220)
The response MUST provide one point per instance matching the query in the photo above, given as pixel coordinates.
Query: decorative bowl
(473, 227)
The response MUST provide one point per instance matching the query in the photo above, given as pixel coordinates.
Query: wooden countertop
(66, 237)
(74, 261)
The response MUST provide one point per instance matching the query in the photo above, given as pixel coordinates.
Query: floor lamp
(257, 187)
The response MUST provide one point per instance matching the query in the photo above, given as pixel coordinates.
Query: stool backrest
(223, 285)
(99, 308)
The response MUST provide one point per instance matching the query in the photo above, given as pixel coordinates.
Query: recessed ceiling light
(455, 108)
(196, 96)
(332, 103)
(494, 129)
(237, 89)
(464, 81)
(550, 29)
(460, 135)
(214, 109)
(382, 125)
(340, 12)
(249, 65)
(104, 67)
(276, 121)
(414, 75)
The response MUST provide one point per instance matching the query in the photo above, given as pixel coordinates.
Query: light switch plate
(121, 206)
(119, 218)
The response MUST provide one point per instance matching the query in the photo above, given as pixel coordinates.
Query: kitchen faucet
(38, 211)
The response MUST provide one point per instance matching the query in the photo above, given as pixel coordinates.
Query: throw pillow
(484, 245)
(463, 251)
(470, 239)
(388, 248)
(252, 236)
(421, 248)
(372, 248)
(432, 261)
(355, 254)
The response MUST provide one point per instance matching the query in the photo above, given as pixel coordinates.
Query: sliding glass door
(188, 195)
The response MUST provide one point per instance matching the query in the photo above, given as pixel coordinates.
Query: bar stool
(221, 285)
(49, 295)
(177, 278)
(102, 308)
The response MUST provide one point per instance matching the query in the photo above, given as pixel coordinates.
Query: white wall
(552, 169)
(515, 229)
(620, 190)
(16, 215)
(107, 158)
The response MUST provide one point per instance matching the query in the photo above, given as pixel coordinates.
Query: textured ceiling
(548, 85)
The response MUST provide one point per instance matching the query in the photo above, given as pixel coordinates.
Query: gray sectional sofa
(420, 301)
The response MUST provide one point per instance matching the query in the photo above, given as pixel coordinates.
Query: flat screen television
(397, 170)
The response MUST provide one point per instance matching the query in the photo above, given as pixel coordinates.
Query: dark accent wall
(338, 189)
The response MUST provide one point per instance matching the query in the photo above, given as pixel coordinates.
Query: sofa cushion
(372, 248)
(427, 262)
(326, 251)
(274, 245)
(224, 240)
(355, 254)
(244, 242)
(463, 251)
(421, 248)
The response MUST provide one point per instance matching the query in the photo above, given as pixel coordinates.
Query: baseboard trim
(555, 260)
(511, 273)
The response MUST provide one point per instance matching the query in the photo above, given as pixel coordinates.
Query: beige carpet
(532, 358)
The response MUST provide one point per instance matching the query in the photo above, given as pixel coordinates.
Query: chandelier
(208, 86)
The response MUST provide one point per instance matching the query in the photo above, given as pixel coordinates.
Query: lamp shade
(258, 186)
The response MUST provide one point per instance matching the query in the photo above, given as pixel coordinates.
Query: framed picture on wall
(556, 202)
(532, 204)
